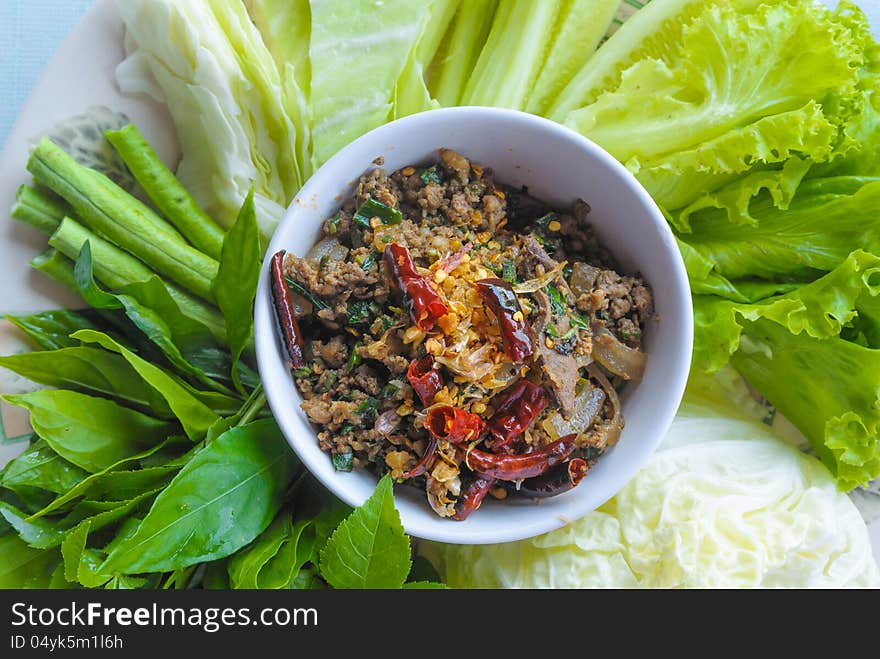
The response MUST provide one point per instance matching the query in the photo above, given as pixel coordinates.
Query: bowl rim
(267, 346)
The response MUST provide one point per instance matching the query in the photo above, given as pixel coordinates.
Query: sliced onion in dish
(618, 358)
(607, 433)
(329, 247)
(536, 284)
(586, 407)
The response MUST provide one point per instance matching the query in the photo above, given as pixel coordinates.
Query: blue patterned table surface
(30, 32)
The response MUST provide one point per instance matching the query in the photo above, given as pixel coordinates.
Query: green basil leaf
(186, 343)
(121, 484)
(369, 549)
(22, 566)
(244, 567)
(195, 417)
(90, 432)
(39, 466)
(224, 497)
(50, 532)
(283, 567)
(51, 330)
(235, 285)
(89, 370)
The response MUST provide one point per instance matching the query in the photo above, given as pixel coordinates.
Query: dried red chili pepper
(425, 380)
(516, 333)
(293, 340)
(522, 404)
(454, 424)
(426, 462)
(561, 478)
(516, 467)
(422, 301)
(472, 496)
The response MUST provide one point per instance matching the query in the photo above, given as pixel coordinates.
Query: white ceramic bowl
(558, 166)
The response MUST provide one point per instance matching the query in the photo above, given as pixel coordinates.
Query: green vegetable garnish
(579, 321)
(508, 272)
(354, 359)
(317, 302)
(369, 261)
(389, 391)
(302, 372)
(557, 302)
(430, 175)
(343, 461)
(372, 208)
(333, 222)
(330, 380)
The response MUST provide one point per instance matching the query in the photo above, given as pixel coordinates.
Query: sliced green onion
(317, 302)
(430, 175)
(343, 461)
(508, 272)
(354, 359)
(372, 208)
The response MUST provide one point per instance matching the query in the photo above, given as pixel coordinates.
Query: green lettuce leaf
(741, 89)
(814, 233)
(579, 26)
(813, 353)
(511, 59)
(653, 32)
(357, 53)
(459, 50)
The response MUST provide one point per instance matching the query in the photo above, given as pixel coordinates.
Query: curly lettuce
(814, 353)
(740, 89)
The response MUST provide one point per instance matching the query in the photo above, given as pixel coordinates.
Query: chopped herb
(367, 409)
(557, 302)
(554, 332)
(346, 429)
(360, 311)
(369, 261)
(317, 302)
(324, 261)
(386, 238)
(330, 381)
(508, 272)
(579, 321)
(631, 334)
(385, 322)
(430, 175)
(303, 372)
(369, 404)
(543, 222)
(602, 315)
(354, 359)
(333, 222)
(567, 270)
(343, 461)
(394, 309)
(389, 390)
(372, 208)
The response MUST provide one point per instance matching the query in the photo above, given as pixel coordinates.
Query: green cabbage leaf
(206, 61)
(724, 503)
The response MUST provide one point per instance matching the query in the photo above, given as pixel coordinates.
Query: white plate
(80, 76)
